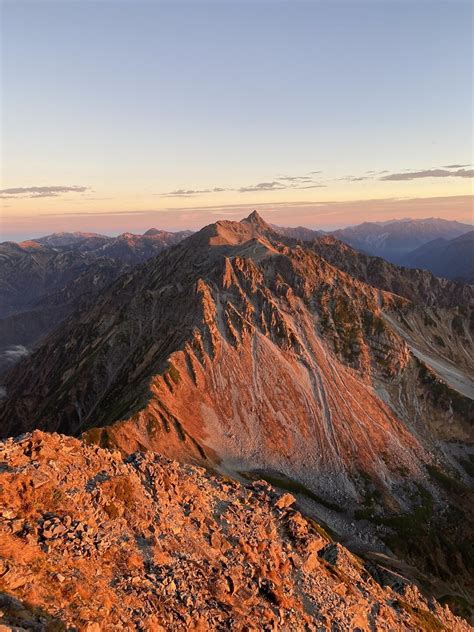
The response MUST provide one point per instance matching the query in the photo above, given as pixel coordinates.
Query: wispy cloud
(430, 173)
(184, 192)
(40, 192)
(312, 180)
(454, 166)
(295, 178)
(312, 186)
(355, 178)
(283, 182)
(280, 183)
(263, 186)
(191, 192)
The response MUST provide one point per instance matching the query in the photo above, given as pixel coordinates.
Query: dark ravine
(240, 349)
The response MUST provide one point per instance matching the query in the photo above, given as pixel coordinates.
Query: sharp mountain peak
(231, 233)
(255, 219)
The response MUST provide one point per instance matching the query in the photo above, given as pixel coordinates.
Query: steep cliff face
(251, 354)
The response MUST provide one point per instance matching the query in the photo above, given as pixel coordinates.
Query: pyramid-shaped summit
(255, 219)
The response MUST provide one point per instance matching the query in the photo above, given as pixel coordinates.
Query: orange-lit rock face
(95, 542)
(238, 349)
(312, 365)
(277, 400)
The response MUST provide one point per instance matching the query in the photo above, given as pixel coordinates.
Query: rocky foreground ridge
(95, 541)
(326, 372)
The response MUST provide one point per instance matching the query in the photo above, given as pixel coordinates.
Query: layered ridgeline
(396, 240)
(32, 270)
(450, 258)
(337, 376)
(39, 287)
(443, 247)
(44, 280)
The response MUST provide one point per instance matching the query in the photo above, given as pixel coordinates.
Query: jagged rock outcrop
(91, 541)
(419, 286)
(252, 354)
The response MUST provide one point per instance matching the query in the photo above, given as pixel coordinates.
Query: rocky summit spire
(256, 220)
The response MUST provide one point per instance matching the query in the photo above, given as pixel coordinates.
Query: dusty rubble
(91, 541)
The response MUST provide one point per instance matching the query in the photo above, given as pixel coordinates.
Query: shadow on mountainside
(21, 615)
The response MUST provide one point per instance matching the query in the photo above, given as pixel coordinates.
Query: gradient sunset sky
(119, 116)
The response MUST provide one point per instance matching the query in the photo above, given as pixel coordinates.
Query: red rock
(285, 501)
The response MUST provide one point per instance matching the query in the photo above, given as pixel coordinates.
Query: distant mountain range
(31, 269)
(450, 258)
(396, 240)
(403, 242)
(44, 280)
(298, 232)
(127, 247)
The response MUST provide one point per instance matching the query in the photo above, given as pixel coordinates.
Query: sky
(119, 115)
